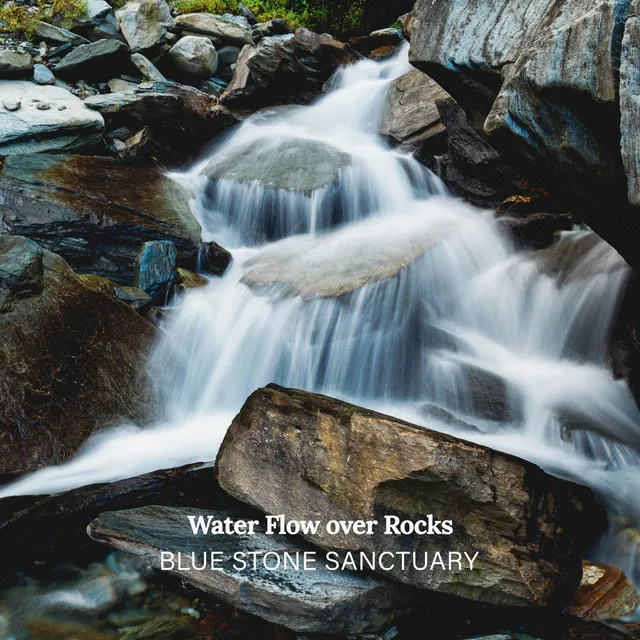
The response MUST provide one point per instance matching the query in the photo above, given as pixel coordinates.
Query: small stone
(43, 75)
(147, 68)
(62, 107)
(11, 105)
(43, 106)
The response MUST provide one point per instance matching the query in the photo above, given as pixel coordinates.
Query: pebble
(43, 106)
(12, 105)
(42, 75)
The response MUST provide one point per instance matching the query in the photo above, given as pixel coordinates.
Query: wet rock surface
(95, 212)
(527, 526)
(71, 358)
(320, 601)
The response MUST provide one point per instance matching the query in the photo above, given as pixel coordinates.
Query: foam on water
(407, 300)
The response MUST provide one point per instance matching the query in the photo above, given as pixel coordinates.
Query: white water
(465, 306)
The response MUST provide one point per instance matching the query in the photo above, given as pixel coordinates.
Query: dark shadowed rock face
(312, 457)
(540, 79)
(320, 601)
(95, 212)
(70, 358)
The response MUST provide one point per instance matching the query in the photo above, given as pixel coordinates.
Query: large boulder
(70, 358)
(144, 23)
(193, 59)
(314, 601)
(541, 81)
(99, 60)
(310, 457)
(65, 126)
(411, 119)
(96, 212)
(182, 117)
(228, 32)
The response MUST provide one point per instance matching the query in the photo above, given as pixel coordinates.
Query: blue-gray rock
(540, 79)
(14, 64)
(144, 23)
(228, 56)
(43, 75)
(97, 60)
(155, 269)
(193, 59)
(57, 35)
(320, 601)
(31, 130)
(148, 70)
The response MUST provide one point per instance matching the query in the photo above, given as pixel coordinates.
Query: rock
(535, 230)
(486, 395)
(193, 59)
(147, 68)
(31, 130)
(106, 30)
(144, 23)
(217, 258)
(97, 12)
(298, 266)
(134, 297)
(190, 280)
(14, 64)
(42, 75)
(11, 105)
(164, 628)
(95, 61)
(411, 119)
(70, 358)
(228, 56)
(240, 87)
(227, 31)
(57, 35)
(337, 461)
(321, 601)
(292, 165)
(542, 84)
(473, 167)
(182, 117)
(275, 66)
(155, 269)
(96, 212)
(25, 518)
(43, 106)
(248, 15)
(325, 46)
(143, 148)
(376, 39)
(605, 593)
(116, 85)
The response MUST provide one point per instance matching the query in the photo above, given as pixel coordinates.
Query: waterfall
(357, 275)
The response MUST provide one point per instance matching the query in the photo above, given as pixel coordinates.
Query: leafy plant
(18, 19)
(22, 20)
(64, 12)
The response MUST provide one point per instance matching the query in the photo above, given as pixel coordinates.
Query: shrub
(23, 20)
(18, 19)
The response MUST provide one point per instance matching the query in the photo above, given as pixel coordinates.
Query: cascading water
(355, 274)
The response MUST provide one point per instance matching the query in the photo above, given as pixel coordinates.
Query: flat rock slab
(341, 261)
(68, 125)
(96, 212)
(311, 457)
(320, 601)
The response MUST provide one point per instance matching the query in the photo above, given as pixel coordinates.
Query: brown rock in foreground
(604, 594)
(312, 457)
(70, 358)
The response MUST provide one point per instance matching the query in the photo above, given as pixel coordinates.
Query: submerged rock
(67, 127)
(294, 165)
(334, 461)
(95, 212)
(320, 601)
(70, 358)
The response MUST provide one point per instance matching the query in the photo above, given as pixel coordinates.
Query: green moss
(22, 20)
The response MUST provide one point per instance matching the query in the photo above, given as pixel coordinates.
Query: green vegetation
(23, 20)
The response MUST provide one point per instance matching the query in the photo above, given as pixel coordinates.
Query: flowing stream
(371, 283)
